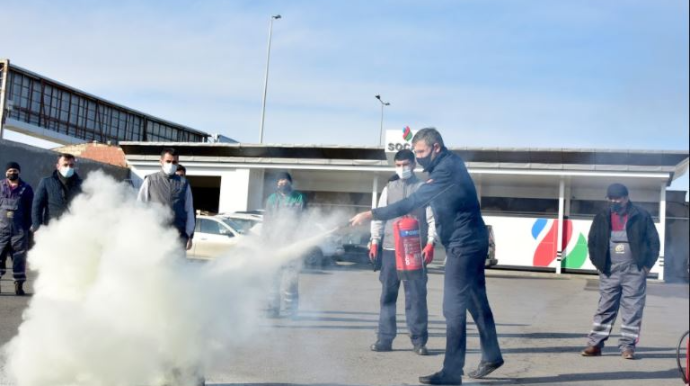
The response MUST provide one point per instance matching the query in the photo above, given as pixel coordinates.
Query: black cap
(616, 191)
(12, 165)
(284, 176)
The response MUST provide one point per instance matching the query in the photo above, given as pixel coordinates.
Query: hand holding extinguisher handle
(428, 253)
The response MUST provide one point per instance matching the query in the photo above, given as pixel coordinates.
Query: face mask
(617, 207)
(67, 172)
(285, 189)
(13, 176)
(404, 172)
(169, 169)
(424, 161)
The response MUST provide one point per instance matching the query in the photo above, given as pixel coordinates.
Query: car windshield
(241, 225)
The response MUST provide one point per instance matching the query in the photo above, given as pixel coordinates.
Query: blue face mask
(67, 172)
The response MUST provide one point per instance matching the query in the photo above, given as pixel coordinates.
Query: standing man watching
(167, 188)
(459, 224)
(283, 211)
(171, 190)
(623, 246)
(16, 197)
(404, 183)
(55, 193)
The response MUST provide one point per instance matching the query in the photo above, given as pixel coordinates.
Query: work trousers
(416, 312)
(625, 290)
(465, 290)
(14, 242)
(285, 288)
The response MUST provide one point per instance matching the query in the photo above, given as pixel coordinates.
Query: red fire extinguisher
(408, 248)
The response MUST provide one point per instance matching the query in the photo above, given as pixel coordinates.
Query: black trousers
(465, 290)
(416, 312)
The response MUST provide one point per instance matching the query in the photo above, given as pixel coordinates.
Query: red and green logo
(546, 251)
(407, 133)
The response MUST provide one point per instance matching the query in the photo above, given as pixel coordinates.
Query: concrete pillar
(375, 192)
(561, 213)
(662, 231)
(234, 191)
(5, 69)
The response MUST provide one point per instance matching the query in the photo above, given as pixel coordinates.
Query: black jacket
(52, 198)
(452, 196)
(642, 236)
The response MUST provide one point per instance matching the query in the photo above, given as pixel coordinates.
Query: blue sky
(498, 73)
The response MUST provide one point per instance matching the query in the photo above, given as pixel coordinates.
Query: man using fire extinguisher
(453, 198)
(401, 185)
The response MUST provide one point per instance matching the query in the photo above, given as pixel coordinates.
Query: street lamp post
(268, 60)
(383, 104)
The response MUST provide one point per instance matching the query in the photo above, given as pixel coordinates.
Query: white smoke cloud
(117, 303)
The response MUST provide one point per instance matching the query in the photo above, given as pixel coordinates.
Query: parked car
(244, 223)
(213, 235)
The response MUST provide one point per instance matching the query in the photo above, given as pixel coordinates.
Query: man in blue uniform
(453, 198)
(16, 197)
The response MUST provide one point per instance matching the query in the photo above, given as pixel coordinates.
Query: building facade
(539, 202)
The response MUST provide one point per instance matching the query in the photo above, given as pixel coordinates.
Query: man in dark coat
(452, 196)
(623, 246)
(15, 221)
(56, 192)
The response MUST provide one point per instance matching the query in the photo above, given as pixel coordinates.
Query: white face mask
(404, 172)
(67, 171)
(169, 169)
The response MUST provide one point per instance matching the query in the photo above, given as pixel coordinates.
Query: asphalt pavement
(542, 322)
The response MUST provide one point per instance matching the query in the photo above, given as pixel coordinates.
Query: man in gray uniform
(170, 190)
(403, 184)
(623, 246)
(16, 197)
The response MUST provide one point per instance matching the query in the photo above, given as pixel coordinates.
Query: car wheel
(314, 258)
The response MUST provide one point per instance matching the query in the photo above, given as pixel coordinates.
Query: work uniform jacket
(642, 236)
(15, 205)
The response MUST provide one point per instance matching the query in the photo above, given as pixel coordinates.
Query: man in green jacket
(282, 213)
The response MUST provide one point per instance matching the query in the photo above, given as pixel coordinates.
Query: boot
(19, 288)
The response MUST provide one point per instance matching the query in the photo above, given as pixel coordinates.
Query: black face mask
(424, 162)
(617, 207)
(284, 189)
(13, 176)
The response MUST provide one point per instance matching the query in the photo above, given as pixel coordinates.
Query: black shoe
(420, 350)
(440, 378)
(484, 369)
(19, 288)
(381, 346)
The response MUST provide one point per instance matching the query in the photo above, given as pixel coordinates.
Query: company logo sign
(546, 252)
(396, 142)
